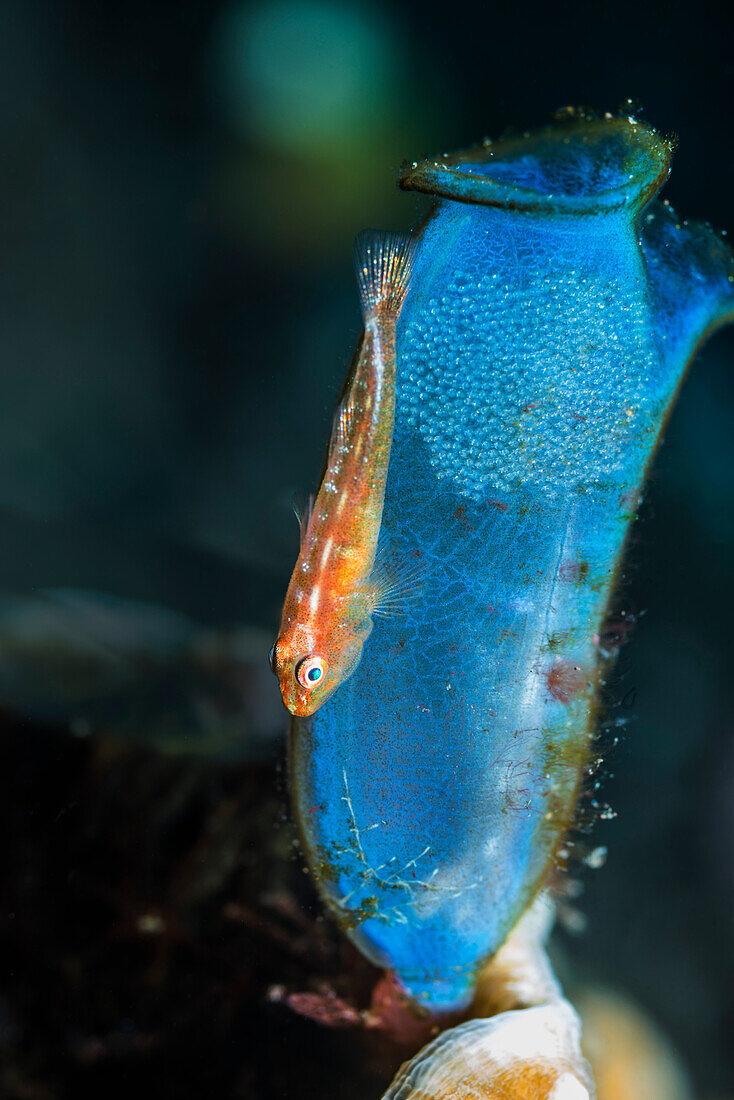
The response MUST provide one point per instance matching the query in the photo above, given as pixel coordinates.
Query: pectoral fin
(394, 583)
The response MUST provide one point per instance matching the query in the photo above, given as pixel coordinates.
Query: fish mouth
(304, 704)
(300, 706)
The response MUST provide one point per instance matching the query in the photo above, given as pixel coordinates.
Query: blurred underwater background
(181, 188)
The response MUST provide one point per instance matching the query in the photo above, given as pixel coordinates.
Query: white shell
(526, 1054)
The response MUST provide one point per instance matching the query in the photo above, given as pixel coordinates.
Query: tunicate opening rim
(647, 165)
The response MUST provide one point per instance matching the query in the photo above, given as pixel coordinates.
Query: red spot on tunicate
(460, 514)
(578, 416)
(531, 405)
(570, 570)
(565, 680)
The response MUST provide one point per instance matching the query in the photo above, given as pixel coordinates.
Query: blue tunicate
(552, 315)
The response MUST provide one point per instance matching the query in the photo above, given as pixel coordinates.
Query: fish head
(310, 667)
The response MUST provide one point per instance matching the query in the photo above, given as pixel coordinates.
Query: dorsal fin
(304, 513)
(383, 264)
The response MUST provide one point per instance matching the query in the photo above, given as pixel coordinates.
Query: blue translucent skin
(539, 353)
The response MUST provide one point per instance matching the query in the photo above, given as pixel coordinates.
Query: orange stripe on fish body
(327, 615)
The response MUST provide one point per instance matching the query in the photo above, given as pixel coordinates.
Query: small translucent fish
(336, 587)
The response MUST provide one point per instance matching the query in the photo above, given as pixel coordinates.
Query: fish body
(334, 590)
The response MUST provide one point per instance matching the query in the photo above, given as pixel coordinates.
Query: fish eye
(310, 672)
(271, 657)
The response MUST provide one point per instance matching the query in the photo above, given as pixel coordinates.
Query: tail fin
(384, 264)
